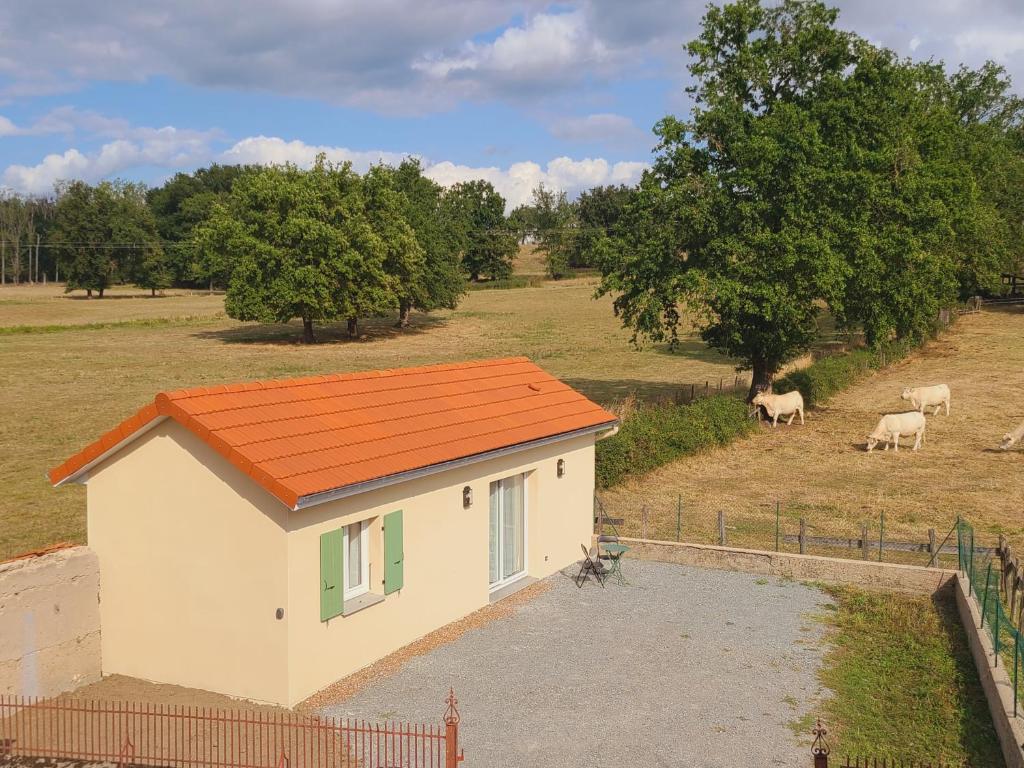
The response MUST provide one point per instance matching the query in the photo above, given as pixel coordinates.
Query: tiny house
(263, 540)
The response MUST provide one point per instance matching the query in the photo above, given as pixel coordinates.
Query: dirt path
(822, 473)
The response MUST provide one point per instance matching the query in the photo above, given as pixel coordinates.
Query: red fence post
(452, 756)
(820, 748)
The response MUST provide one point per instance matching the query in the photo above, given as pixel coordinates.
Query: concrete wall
(49, 623)
(994, 680)
(193, 568)
(446, 556)
(830, 570)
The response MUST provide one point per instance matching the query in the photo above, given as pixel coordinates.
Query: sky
(516, 92)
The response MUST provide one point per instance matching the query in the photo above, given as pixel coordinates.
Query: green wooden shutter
(394, 553)
(332, 591)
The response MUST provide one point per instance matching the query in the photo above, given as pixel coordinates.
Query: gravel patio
(681, 667)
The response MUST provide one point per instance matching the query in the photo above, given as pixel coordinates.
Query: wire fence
(994, 580)
(781, 526)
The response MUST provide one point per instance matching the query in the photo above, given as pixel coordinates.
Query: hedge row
(830, 375)
(652, 435)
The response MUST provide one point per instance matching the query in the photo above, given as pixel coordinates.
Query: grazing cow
(893, 426)
(1011, 439)
(926, 397)
(789, 404)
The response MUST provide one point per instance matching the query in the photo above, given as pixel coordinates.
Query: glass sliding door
(508, 529)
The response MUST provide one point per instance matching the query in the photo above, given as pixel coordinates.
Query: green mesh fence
(985, 578)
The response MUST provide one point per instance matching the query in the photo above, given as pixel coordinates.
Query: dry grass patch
(822, 473)
(61, 390)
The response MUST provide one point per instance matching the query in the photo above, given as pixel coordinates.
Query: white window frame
(364, 551)
(526, 533)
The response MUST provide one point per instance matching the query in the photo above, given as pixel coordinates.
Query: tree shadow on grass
(694, 349)
(977, 733)
(370, 330)
(610, 391)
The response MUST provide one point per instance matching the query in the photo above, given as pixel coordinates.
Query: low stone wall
(994, 680)
(49, 622)
(829, 570)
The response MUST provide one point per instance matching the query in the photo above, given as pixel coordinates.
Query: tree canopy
(815, 171)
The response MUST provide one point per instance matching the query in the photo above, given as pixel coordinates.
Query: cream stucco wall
(446, 556)
(193, 566)
(195, 558)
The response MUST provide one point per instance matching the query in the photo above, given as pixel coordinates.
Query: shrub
(652, 435)
(830, 375)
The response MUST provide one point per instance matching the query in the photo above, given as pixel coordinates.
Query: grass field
(822, 473)
(100, 360)
(903, 682)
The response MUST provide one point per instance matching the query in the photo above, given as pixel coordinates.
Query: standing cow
(927, 397)
(789, 404)
(893, 426)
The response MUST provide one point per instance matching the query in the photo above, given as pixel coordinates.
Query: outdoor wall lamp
(467, 497)
(560, 467)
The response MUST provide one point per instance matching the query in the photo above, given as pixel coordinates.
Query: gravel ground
(681, 667)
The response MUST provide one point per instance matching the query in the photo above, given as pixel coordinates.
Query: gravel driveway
(682, 667)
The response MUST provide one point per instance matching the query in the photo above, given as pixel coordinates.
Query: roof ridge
(303, 381)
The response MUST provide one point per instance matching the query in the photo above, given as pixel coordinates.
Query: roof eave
(322, 497)
(80, 475)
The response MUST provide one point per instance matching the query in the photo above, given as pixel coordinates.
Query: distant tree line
(816, 171)
(321, 245)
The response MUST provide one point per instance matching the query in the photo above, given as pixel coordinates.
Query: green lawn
(903, 682)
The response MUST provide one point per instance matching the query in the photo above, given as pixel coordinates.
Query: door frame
(492, 587)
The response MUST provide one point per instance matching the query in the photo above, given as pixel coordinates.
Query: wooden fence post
(803, 535)
(863, 541)
(931, 545)
(643, 522)
(721, 529)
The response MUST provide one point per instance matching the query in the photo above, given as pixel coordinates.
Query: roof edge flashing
(323, 497)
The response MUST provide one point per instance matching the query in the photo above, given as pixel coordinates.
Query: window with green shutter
(332, 593)
(394, 553)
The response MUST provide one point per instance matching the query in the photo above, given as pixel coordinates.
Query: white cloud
(603, 127)
(167, 147)
(270, 150)
(177, 149)
(517, 182)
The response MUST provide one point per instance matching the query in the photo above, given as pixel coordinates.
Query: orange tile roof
(300, 437)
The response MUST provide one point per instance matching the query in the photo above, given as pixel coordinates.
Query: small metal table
(615, 553)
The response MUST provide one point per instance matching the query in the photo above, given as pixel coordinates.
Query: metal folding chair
(591, 564)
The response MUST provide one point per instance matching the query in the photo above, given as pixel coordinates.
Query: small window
(357, 560)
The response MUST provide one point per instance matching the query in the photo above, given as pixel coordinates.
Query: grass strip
(155, 322)
(903, 681)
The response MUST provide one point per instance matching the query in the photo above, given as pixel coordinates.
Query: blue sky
(517, 92)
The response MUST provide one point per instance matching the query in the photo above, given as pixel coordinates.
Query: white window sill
(356, 604)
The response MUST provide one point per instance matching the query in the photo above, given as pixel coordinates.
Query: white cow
(1011, 439)
(789, 404)
(926, 397)
(893, 426)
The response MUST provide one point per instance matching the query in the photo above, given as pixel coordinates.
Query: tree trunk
(88, 293)
(353, 327)
(404, 310)
(474, 277)
(152, 292)
(762, 377)
(211, 286)
(307, 331)
(101, 292)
